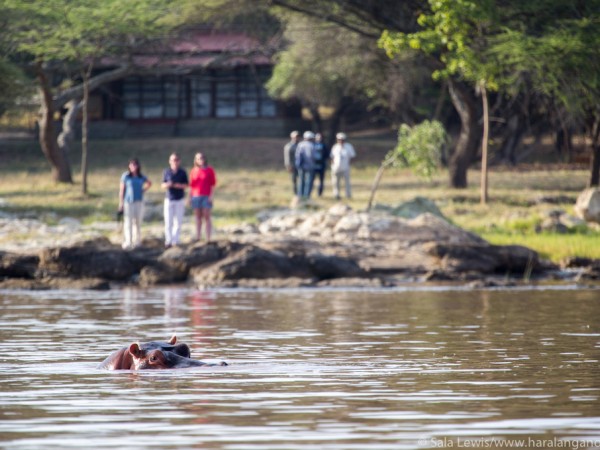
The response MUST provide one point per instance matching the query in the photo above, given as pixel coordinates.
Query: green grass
(251, 179)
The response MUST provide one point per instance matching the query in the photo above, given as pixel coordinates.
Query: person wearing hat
(341, 154)
(289, 159)
(305, 164)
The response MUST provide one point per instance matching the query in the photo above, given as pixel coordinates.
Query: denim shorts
(201, 202)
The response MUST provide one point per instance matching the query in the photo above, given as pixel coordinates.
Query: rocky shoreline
(296, 248)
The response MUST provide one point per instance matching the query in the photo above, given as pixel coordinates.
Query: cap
(341, 136)
(308, 135)
(294, 134)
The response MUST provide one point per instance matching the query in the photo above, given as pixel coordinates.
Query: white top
(341, 154)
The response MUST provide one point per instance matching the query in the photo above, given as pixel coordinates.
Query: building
(208, 84)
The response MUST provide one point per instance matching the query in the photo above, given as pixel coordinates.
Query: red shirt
(202, 180)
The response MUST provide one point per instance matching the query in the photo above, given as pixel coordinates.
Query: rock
(55, 283)
(95, 284)
(352, 283)
(513, 259)
(415, 207)
(326, 267)
(263, 283)
(160, 273)
(587, 206)
(18, 266)
(93, 259)
(250, 262)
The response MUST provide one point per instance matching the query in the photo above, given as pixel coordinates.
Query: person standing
(341, 154)
(131, 202)
(320, 157)
(305, 164)
(174, 182)
(289, 159)
(202, 182)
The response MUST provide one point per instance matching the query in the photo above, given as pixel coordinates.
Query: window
(220, 93)
(201, 96)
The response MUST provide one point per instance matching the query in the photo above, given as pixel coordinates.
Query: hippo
(153, 355)
(123, 360)
(162, 359)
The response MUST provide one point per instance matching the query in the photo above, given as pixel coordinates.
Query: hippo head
(123, 360)
(171, 346)
(159, 359)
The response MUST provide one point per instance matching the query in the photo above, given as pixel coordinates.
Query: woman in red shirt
(202, 181)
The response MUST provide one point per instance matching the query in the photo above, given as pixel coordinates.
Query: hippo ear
(135, 350)
(173, 340)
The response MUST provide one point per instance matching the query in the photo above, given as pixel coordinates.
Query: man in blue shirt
(305, 164)
(175, 181)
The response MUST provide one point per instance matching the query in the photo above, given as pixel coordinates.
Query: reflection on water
(325, 369)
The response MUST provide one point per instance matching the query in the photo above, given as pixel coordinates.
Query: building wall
(273, 127)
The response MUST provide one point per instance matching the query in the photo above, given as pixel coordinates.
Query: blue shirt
(304, 155)
(134, 187)
(176, 177)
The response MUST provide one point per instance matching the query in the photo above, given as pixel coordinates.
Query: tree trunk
(595, 161)
(66, 137)
(375, 186)
(84, 131)
(61, 169)
(466, 145)
(336, 120)
(316, 118)
(512, 137)
(484, 146)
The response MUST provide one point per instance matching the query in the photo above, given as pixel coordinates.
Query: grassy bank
(251, 179)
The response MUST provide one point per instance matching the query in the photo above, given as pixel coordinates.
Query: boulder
(14, 265)
(250, 262)
(587, 206)
(417, 206)
(325, 267)
(159, 273)
(97, 258)
(487, 259)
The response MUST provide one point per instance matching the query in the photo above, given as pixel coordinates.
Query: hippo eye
(153, 358)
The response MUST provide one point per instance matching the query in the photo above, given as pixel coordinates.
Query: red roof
(201, 49)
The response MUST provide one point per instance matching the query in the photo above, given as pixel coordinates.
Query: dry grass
(251, 178)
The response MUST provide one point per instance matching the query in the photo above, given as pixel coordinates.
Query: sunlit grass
(555, 247)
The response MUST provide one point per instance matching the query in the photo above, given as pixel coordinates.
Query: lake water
(321, 369)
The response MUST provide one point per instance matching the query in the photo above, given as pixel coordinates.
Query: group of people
(134, 184)
(306, 160)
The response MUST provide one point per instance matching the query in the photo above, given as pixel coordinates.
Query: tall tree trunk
(595, 161)
(336, 120)
(515, 129)
(59, 163)
(316, 118)
(466, 145)
(84, 130)
(66, 137)
(484, 146)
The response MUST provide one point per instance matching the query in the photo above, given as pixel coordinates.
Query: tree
(324, 65)
(419, 147)
(555, 46)
(454, 33)
(64, 39)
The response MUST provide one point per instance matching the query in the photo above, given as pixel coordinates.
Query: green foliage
(74, 30)
(454, 32)
(562, 61)
(13, 84)
(322, 64)
(419, 148)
